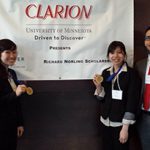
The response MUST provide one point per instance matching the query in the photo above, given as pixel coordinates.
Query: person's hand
(20, 131)
(123, 138)
(97, 84)
(20, 89)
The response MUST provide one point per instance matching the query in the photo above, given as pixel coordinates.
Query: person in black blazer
(11, 119)
(143, 123)
(119, 93)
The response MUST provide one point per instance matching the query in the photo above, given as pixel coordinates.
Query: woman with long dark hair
(11, 120)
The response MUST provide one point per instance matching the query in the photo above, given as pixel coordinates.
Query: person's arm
(6, 96)
(99, 92)
(123, 137)
(133, 99)
(10, 96)
(128, 119)
(20, 122)
(133, 96)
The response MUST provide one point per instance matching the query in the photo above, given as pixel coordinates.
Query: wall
(141, 21)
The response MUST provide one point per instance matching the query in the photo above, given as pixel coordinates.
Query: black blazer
(130, 85)
(10, 107)
(141, 68)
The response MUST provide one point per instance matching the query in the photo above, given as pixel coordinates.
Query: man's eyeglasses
(147, 37)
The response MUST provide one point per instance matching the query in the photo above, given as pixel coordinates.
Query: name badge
(117, 94)
(147, 80)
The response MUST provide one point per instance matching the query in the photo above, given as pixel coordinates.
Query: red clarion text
(59, 11)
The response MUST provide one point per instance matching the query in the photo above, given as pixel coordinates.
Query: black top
(10, 107)
(130, 84)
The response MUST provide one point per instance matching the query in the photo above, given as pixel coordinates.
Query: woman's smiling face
(8, 57)
(117, 57)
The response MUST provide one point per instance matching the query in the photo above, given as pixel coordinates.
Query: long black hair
(5, 44)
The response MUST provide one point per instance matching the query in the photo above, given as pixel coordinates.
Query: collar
(149, 57)
(124, 69)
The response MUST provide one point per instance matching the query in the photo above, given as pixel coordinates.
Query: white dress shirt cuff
(102, 94)
(125, 121)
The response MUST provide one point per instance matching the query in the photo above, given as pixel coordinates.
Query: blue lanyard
(111, 77)
(21, 82)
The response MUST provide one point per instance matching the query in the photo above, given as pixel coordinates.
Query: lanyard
(117, 83)
(111, 77)
(12, 83)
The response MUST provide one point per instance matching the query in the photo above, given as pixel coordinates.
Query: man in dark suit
(143, 67)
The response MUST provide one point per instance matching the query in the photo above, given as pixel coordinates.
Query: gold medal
(99, 78)
(29, 90)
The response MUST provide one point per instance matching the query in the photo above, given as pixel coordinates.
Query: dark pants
(143, 127)
(110, 139)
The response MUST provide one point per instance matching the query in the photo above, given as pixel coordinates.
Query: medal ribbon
(111, 77)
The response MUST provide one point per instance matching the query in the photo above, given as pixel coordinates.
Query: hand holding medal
(29, 90)
(98, 78)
